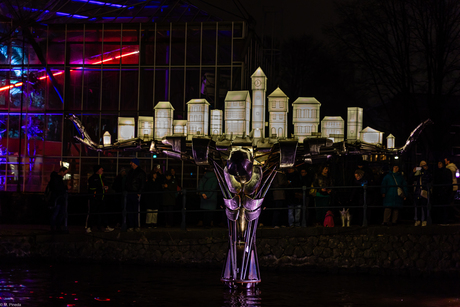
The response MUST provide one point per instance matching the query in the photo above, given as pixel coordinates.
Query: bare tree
(406, 55)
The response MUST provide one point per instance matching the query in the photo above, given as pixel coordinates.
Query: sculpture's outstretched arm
(413, 137)
(85, 138)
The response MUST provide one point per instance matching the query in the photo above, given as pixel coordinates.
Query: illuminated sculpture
(216, 122)
(164, 113)
(278, 110)
(197, 117)
(259, 85)
(145, 127)
(180, 127)
(245, 163)
(305, 117)
(354, 123)
(237, 113)
(371, 136)
(390, 141)
(332, 127)
(125, 128)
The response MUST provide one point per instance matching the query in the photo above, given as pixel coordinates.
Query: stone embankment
(377, 250)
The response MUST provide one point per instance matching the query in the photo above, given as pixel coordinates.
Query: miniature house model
(371, 136)
(145, 127)
(164, 112)
(197, 117)
(237, 113)
(390, 141)
(333, 127)
(305, 117)
(259, 85)
(216, 122)
(278, 109)
(126, 128)
(180, 127)
(354, 123)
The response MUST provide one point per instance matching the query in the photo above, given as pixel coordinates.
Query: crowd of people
(147, 195)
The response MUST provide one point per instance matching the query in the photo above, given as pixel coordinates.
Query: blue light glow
(101, 3)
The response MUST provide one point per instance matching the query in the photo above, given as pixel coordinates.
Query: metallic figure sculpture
(245, 168)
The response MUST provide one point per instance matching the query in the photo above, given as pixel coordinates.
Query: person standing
(134, 184)
(306, 181)
(294, 197)
(392, 202)
(152, 199)
(279, 197)
(57, 200)
(442, 191)
(453, 168)
(422, 178)
(169, 199)
(322, 182)
(97, 205)
(208, 196)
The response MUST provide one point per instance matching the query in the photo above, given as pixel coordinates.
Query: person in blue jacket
(391, 200)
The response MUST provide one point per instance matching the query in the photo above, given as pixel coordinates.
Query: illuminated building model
(245, 165)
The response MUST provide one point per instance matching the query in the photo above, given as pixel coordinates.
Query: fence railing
(306, 206)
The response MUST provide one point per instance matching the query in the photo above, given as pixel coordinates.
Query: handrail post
(66, 215)
(365, 206)
(304, 207)
(183, 224)
(428, 205)
(123, 225)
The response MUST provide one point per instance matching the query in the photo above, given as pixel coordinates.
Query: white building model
(237, 113)
(238, 117)
(354, 123)
(164, 113)
(278, 109)
(259, 85)
(305, 117)
(197, 117)
(371, 136)
(333, 127)
(216, 122)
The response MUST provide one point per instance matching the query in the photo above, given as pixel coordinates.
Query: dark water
(131, 285)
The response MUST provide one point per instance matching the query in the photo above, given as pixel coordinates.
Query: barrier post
(183, 224)
(123, 225)
(304, 207)
(365, 206)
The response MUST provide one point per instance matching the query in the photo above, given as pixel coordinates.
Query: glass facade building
(101, 71)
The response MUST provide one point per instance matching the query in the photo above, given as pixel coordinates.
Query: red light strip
(61, 72)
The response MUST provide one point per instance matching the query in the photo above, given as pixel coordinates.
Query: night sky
(281, 19)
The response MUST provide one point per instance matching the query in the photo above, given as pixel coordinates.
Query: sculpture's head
(239, 164)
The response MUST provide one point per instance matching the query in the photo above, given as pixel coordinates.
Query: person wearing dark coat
(169, 198)
(97, 202)
(57, 200)
(441, 191)
(279, 197)
(134, 184)
(207, 187)
(357, 195)
(294, 197)
(391, 200)
(422, 179)
(152, 198)
(322, 180)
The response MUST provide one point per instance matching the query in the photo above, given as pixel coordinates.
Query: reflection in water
(75, 285)
(242, 297)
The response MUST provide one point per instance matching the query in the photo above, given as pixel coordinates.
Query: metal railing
(305, 209)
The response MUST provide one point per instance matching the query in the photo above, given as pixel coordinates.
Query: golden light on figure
(125, 128)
